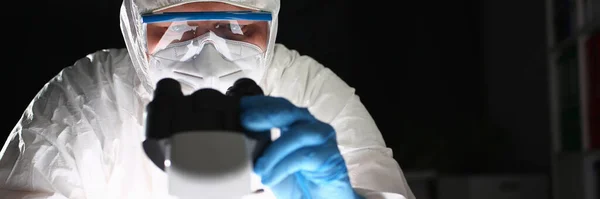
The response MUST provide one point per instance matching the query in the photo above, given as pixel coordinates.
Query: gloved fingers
(299, 135)
(309, 159)
(334, 169)
(262, 113)
(253, 101)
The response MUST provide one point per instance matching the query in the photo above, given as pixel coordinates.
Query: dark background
(457, 86)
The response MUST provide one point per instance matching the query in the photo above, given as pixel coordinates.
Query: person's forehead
(197, 23)
(203, 7)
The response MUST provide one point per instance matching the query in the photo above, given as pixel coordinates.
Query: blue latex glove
(304, 162)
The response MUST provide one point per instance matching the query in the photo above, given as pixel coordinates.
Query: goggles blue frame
(198, 16)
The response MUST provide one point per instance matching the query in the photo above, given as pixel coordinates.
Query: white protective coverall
(80, 137)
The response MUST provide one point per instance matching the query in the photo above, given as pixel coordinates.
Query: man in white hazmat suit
(81, 135)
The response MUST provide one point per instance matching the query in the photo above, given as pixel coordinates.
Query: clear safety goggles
(180, 36)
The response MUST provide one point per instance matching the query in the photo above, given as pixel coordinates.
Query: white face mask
(208, 61)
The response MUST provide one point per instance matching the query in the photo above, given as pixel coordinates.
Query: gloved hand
(304, 162)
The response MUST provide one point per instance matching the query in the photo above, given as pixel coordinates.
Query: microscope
(199, 142)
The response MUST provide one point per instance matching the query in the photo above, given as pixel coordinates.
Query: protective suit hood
(134, 34)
